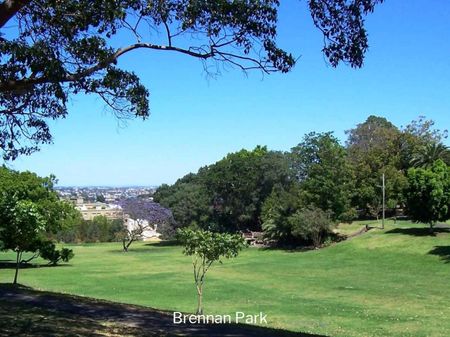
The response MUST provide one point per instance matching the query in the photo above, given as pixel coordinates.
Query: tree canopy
(227, 195)
(321, 166)
(274, 192)
(29, 210)
(52, 49)
(206, 248)
(373, 149)
(428, 193)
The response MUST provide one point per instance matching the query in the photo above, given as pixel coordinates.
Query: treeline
(99, 229)
(297, 196)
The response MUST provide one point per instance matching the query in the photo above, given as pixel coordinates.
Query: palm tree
(429, 153)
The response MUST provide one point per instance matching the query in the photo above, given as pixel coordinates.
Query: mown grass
(391, 282)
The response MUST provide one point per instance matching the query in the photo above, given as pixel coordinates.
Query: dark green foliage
(239, 184)
(207, 247)
(326, 178)
(55, 49)
(99, 229)
(276, 210)
(311, 224)
(324, 183)
(62, 48)
(342, 24)
(188, 201)
(373, 149)
(286, 221)
(426, 155)
(419, 142)
(30, 210)
(48, 251)
(227, 195)
(428, 193)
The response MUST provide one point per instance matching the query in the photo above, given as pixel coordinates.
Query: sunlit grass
(391, 282)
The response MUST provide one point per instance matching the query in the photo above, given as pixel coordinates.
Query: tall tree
(421, 143)
(239, 184)
(53, 49)
(29, 209)
(428, 193)
(277, 209)
(227, 195)
(373, 149)
(188, 200)
(321, 166)
(429, 153)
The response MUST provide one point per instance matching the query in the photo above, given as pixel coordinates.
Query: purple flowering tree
(146, 214)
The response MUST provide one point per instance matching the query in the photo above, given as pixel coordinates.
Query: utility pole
(384, 202)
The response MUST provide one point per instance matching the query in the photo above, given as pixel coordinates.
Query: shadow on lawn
(10, 264)
(164, 243)
(26, 312)
(442, 251)
(424, 231)
(147, 247)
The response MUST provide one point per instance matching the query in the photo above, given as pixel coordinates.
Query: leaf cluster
(210, 246)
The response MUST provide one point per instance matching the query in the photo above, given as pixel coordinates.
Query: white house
(149, 232)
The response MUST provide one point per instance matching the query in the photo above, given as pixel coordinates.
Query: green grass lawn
(383, 283)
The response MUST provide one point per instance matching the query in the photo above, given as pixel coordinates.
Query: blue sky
(197, 120)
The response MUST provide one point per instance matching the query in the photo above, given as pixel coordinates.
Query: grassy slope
(377, 284)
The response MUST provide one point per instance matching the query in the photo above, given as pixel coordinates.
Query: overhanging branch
(13, 85)
(9, 8)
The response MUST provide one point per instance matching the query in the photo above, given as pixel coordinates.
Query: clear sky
(195, 121)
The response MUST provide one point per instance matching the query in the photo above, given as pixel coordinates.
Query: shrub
(311, 223)
(49, 252)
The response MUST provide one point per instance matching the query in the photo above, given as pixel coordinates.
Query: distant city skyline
(196, 120)
(105, 186)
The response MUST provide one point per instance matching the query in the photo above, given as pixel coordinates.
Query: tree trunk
(199, 301)
(18, 257)
(125, 247)
(431, 228)
(128, 245)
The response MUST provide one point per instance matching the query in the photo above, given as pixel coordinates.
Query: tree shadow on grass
(26, 312)
(442, 251)
(163, 243)
(143, 249)
(423, 231)
(147, 247)
(10, 264)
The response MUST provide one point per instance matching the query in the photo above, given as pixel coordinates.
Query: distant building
(149, 231)
(91, 210)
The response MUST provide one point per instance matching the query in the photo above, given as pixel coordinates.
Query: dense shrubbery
(31, 212)
(312, 224)
(228, 195)
(49, 252)
(296, 197)
(100, 229)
